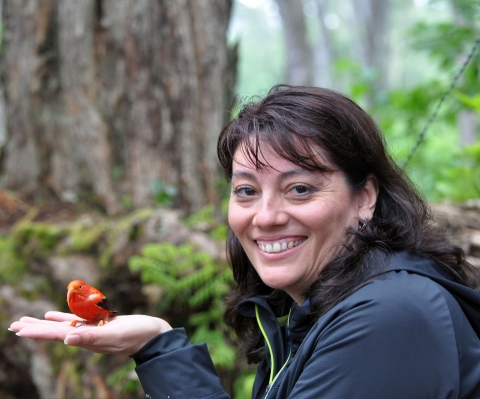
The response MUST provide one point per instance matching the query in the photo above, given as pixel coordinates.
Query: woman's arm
(168, 365)
(123, 335)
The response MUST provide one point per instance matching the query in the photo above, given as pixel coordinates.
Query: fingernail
(9, 329)
(18, 334)
(72, 340)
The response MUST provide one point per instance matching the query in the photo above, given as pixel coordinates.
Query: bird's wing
(102, 302)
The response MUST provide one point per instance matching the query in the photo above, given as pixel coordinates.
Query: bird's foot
(78, 323)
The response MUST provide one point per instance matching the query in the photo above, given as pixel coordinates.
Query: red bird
(88, 303)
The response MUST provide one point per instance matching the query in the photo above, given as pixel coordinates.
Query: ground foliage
(151, 261)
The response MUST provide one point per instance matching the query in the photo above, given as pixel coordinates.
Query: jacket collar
(298, 322)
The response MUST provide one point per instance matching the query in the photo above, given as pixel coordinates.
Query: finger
(33, 320)
(28, 319)
(49, 332)
(60, 316)
(24, 321)
(27, 322)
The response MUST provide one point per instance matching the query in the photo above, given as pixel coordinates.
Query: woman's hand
(123, 335)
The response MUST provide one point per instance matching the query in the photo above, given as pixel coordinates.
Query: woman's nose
(269, 213)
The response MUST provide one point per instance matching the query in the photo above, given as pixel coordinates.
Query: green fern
(194, 286)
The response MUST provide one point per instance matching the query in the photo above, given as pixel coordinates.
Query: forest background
(109, 113)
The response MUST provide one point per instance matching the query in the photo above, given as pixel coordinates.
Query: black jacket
(408, 333)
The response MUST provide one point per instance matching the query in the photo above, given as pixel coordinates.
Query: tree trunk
(110, 97)
(299, 52)
(325, 51)
(370, 19)
(467, 121)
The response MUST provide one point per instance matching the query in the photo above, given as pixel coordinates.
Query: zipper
(267, 391)
(273, 378)
(269, 386)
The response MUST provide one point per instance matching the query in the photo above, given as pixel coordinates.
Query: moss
(135, 232)
(5, 318)
(205, 220)
(85, 238)
(220, 232)
(36, 286)
(129, 226)
(35, 240)
(12, 265)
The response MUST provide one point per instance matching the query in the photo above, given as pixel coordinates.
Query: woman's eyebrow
(295, 172)
(283, 175)
(243, 173)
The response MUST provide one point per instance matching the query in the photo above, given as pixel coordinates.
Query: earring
(363, 224)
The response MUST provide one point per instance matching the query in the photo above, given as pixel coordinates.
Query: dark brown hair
(295, 121)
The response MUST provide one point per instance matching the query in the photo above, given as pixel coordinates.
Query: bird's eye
(80, 287)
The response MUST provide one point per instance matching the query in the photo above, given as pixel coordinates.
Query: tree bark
(370, 19)
(109, 97)
(76, 40)
(467, 121)
(299, 52)
(325, 51)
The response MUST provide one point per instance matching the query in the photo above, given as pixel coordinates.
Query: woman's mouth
(274, 247)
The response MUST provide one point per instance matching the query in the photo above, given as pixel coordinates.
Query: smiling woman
(327, 229)
(290, 221)
(344, 286)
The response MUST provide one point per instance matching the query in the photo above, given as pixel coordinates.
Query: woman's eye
(244, 192)
(300, 189)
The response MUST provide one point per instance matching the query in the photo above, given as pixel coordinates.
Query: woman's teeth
(279, 247)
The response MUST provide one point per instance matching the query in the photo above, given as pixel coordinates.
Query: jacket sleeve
(169, 366)
(391, 341)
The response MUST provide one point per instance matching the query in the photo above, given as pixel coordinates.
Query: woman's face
(291, 221)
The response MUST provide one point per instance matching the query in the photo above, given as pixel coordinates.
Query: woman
(345, 289)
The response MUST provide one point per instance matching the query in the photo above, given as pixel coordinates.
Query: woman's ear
(368, 198)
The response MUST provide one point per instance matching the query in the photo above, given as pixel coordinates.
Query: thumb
(72, 339)
(87, 339)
